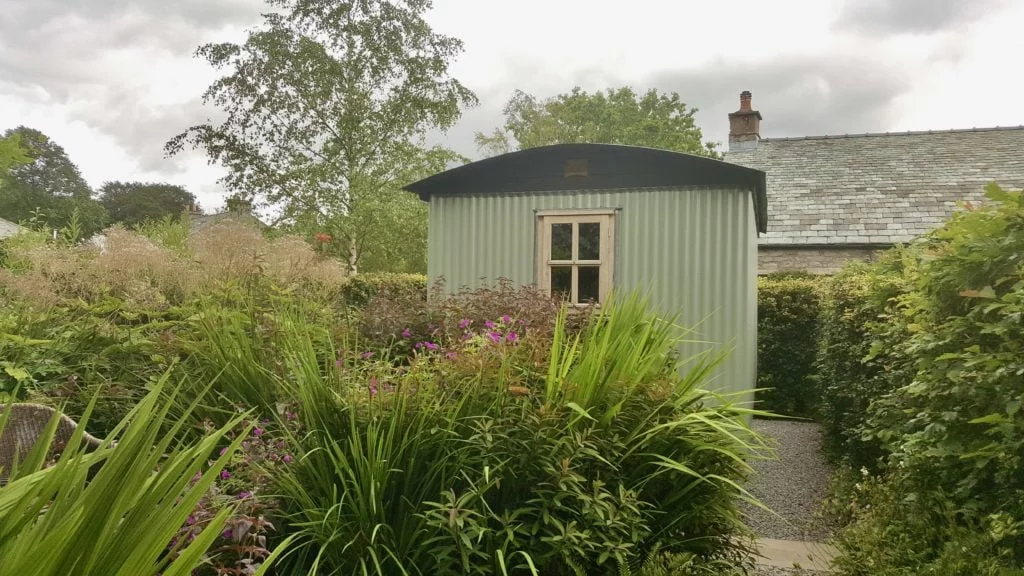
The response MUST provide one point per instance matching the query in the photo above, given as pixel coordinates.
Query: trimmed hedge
(787, 343)
(855, 365)
(361, 288)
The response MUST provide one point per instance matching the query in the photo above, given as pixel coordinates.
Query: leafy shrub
(944, 336)
(587, 464)
(787, 343)
(857, 354)
(358, 290)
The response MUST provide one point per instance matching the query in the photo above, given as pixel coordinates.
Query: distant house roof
(878, 188)
(604, 167)
(8, 229)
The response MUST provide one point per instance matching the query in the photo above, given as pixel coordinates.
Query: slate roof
(886, 188)
(8, 229)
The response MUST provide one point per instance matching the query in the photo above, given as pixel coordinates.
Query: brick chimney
(744, 125)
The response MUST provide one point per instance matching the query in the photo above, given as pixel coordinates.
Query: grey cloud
(798, 97)
(910, 16)
(52, 51)
(827, 94)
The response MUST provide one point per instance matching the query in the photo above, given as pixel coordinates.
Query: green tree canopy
(615, 116)
(132, 203)
(327, 104)
(12, 155)
(49, 188)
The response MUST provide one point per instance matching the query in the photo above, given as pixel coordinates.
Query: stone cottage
(836, 198)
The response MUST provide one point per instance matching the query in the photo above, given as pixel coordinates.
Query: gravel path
(772, 571)
(793, 485)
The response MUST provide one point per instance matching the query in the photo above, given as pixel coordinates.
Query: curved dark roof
(609, 166)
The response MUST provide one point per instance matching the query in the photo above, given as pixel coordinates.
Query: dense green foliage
(132, 203)
(49, 189)
(923, 361)
(614, 116)
(787, 343)
(388, 434)
(852, 366)
(326, 109)
(359, 290)
(12, 155)
(116, 510)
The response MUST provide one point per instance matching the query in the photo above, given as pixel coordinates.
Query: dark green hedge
(923, 371)
(787, 343)
(359, 289)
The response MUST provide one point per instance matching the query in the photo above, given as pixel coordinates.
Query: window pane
(561, 281)
(561, 241)
(589, 283)
(590, 241)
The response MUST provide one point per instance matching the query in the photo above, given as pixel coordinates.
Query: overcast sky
(113, 80)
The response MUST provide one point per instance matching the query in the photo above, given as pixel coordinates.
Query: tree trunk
(353, 255)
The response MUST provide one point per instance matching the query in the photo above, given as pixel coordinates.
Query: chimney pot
(744, 125)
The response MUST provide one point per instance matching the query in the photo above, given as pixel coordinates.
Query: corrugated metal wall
(694, 249)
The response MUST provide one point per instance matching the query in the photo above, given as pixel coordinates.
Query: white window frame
(606, 263)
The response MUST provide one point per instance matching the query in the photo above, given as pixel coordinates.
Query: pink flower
(339, 362)
(451, 355)
(495, 337)
(257, 431)
(367, 355)
(489, 324)
(226, 534)
(287, 458)
(244, 494)
(506, 319)
(291, 415)
(373, 386)
(464, 323)
(406, 333)
(430, 345)
(512, 337)
(224, 474)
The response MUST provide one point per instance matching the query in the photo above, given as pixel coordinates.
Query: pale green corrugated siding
(695, 250)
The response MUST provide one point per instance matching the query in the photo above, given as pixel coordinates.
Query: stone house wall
(816, 260)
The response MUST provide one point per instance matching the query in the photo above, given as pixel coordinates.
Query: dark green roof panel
(606, 166)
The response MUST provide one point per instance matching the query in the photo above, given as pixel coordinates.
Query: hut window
(575, 252)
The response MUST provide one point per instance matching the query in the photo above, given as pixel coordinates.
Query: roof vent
(576, 167)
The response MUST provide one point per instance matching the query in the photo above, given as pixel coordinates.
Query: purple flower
(191, 520)
(512, 337)
(224, 474)
(244, 494)
(339, 362)
(197, 476)
(367, 355)
(430, 345)
(418, 345)
(257, 431)
(495, 337)
(450, 355)
(226, 534)
(406, 333)
(291, 415)
(506, 319)
(489, 324)
(373, 386)
(464, 323)
(287, 458)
